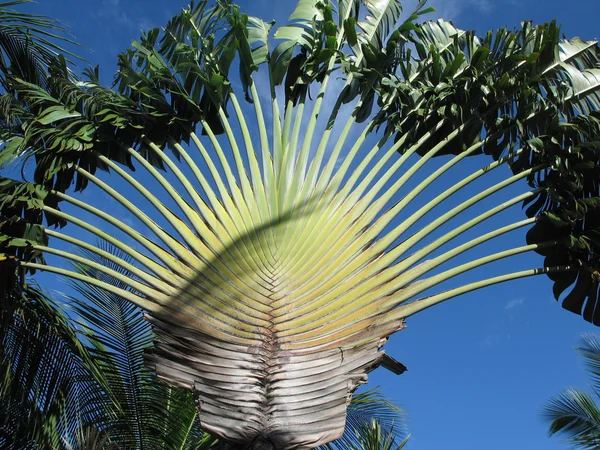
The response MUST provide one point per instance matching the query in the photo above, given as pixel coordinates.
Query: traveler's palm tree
(576, 413)
(276, 250)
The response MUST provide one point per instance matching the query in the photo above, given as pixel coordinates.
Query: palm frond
(380, 19)
(90, 438)
(589, 349)
(49, 386)
(29, 43)
(575, 414)
(372, 436)
(368, 411)
(139, 410)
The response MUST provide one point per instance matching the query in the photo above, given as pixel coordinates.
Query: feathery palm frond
(48, 385)
(372, 436)
(29, 43)
(575, 413)
(367, 411)
(91, 438)
(139, 411)
(589, 349)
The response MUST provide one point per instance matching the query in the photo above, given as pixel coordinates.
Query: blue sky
(480, 366)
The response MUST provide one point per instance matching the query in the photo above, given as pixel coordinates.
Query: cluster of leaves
(575, 413)
(140, 411)
(48, 381)
(524, 93)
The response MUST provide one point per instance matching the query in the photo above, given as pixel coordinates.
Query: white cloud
(514, 303)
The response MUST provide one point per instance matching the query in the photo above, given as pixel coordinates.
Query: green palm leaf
(381, 16)
(367, 411)
(139, 411)
(29, 43)
(574, 413)
(373, 437)
(49, 385)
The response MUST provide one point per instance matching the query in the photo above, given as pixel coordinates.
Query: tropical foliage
(276, 244)
(46, 373)
(575, 413)
(28, 44)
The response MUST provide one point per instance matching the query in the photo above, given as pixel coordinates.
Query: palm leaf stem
(267, 162)
(365, 211)
(256, 216)
(143, 289)
(214, 244)
(394, 320)
(257, 179)
(284, 141)
(387, 240)
(308, 296)
(420, 305)
(219, 217)
(333, 196)
(173, 244)
(245, 286)
(403, 275)
(117, 243)
(162, 255)
(148, 305)
(346, 265)
(289, 155)
(244, 220)
(435, 224)
(319, 191)
(388, 296)
(405, 264)
(156, 283)
(232, 220)
(182, 228)
(299, 174)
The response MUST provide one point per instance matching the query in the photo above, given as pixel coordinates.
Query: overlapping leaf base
(262, 392)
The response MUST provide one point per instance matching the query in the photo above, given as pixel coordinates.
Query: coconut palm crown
(273, 250)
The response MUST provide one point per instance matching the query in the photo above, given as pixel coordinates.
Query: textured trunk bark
(274, 398)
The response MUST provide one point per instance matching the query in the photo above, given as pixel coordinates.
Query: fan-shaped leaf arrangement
(272, 250)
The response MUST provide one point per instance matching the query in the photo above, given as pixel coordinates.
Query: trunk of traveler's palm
(152, 415)
(273, 248)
